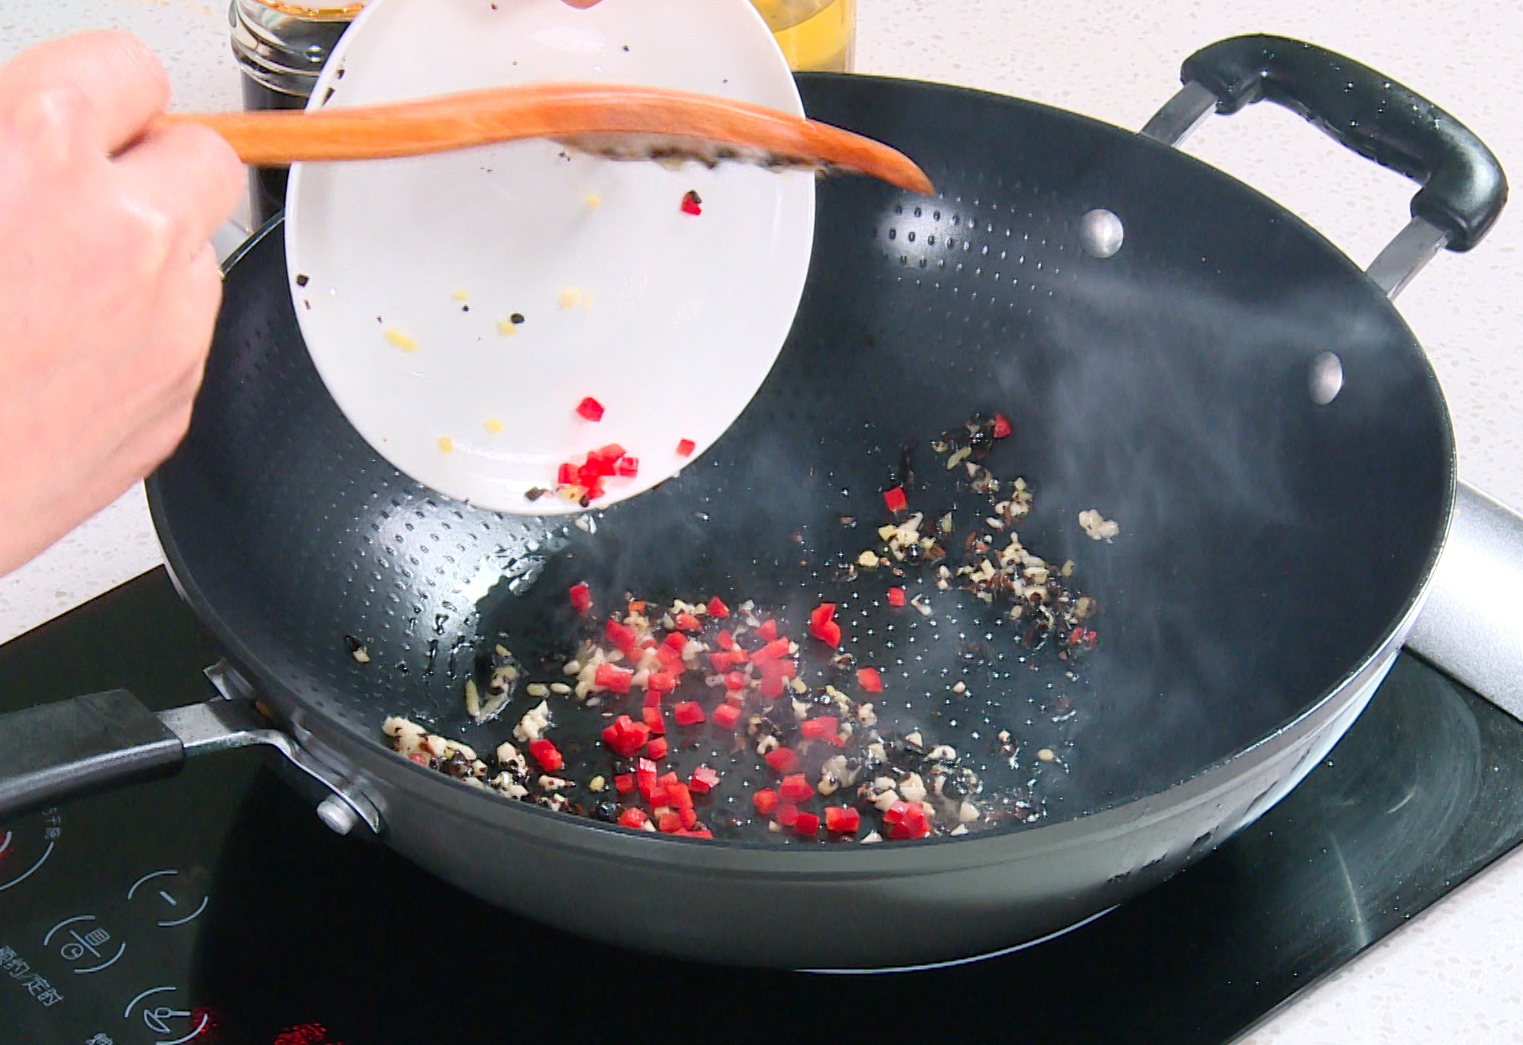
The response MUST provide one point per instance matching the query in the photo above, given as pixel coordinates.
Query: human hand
(108, 284)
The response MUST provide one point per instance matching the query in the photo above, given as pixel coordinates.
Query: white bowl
(405, 273)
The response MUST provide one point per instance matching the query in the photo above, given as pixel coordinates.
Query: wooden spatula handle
(564, 112)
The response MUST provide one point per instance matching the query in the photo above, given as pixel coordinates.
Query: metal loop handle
(1463, 187)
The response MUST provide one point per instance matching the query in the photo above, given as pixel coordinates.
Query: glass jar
(815, 35)
(280, 47)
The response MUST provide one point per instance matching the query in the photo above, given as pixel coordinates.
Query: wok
(1230, 387)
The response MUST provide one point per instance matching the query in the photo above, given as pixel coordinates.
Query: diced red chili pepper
(771, 686)
(703, 780)
(624, 783)
(634, 817)
(659, 682)
(717, 609)
(645, 777)
(652, 698)
(787, 814)
(675, 641)
(768, 630)
(656, 796)
(914, 825)
(778, 669)
(669, 659)
(545, 753)
(895, 813)
(1001, 426)
(915, 821)
(725, 640)
(691, 203)
(685, 447)
(765, 800)
(842, 819)
(590, 409)
(895, 499)
(1082, 636)
(668, 822)
(653, 720)
(418, 757)
(636, 605)
(687, 713)
(795, 788)
(819, 728)
(783, 760)
(612, 678)
(627, 468)
(696, 832)
(806, 824)
(734, 680)
(581, 598)
(588, 475)
(870, 680)
(726, 716)
(771, 651)
(621, 636)
(677, 794)
(605, 457)
(565, 475)
(689, 816)
(687, 622)
(657, 747)
(720, 661)
(595, 489)
(625, 736)
(896, 596)
(822, 626)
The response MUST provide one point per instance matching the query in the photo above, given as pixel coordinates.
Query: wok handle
(79, 746)
(1463, 187)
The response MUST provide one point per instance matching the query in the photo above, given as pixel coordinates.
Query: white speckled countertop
(1451, 973)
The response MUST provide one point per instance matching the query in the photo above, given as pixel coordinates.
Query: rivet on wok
(1325, 379)
(1100, 233)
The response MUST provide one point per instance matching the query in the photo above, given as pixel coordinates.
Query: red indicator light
(304, 1034)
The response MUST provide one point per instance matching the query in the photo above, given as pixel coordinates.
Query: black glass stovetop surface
(214, 907)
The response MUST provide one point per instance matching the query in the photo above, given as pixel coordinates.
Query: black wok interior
(1268, 544)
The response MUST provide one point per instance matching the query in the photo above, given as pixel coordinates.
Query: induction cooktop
(214, 906)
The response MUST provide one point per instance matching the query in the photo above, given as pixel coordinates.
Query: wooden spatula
(623, 122)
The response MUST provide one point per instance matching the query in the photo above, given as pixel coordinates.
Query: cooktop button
(161, 893)
(85, 944)
(25, 846)
(160, 1010)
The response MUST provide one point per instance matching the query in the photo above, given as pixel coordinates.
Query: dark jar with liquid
(280, 48)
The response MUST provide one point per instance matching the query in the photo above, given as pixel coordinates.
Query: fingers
(107, 84)
(186, 174)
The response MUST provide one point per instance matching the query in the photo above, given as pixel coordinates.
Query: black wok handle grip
(1463, 187)
(80, 745)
